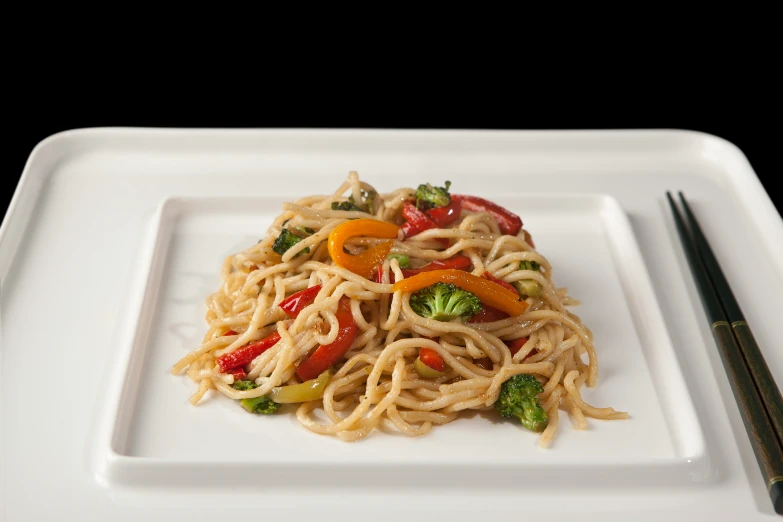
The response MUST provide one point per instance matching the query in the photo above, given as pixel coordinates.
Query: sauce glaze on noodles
(376, 383)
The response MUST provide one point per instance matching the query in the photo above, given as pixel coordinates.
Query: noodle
(375, 382)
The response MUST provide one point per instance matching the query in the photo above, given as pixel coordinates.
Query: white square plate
(590, 244)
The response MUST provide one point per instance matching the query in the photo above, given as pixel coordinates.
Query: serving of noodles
(363, 310)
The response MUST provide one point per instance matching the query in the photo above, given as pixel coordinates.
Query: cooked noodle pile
(375, 384)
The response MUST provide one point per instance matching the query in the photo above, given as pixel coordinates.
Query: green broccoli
(345, 205)
(286, 240)
(519, 398)
(444, 302)
(529, 287)
(369, 199)
(529, 265)
(401, 258)
(262, 404)
(350, 205)
(244, 385)
(428, 196)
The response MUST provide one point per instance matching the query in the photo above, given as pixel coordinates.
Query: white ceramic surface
(115, 236)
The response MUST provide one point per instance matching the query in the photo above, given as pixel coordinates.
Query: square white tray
(80, 242)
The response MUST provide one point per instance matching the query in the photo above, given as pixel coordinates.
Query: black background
(746, 118)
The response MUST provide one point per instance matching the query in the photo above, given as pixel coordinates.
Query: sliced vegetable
(416, 221)
(402, 259)
(230, 332)
(379, 275)
(487, 275)
(529, 287)
(326, 355)
(364, 263)
(457, 262)
(297, 302)
(425, 371)
(488, 314)
(238, 373)
(286, 240)
(444, 216)
(432, 359)
(245, 355)
(310, 390)
(515, 345)
(508, 222)
(444, 302)
(428, 196)
(488, 292)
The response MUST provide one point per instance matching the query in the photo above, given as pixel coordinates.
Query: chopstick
(752, 384)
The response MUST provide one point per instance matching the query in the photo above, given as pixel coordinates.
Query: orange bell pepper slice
(364, 263)
(489, 292)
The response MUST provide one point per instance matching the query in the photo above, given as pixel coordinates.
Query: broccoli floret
(345, 205)
(262, 404)
(428, 196)
(528, 287)
(402, 259)
(286, 240)
(369, 199)
(519, 398)
(244, 385)
(444, 302)
(529, 265)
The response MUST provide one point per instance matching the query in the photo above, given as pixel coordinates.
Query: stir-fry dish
(362, 310)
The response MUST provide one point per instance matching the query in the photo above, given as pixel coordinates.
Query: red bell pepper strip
(326, 355)
(238, 373)
(457, 262)
(230, 332)
(379, 275)
(516, 344)
(508, 222)
(246, 354)
(297, 302)
(487, 275)
(488, 314)
(417, 222)
(444, 216)
(432, 359)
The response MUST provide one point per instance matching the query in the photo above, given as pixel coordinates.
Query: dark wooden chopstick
(765, 383)
(756, 415)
